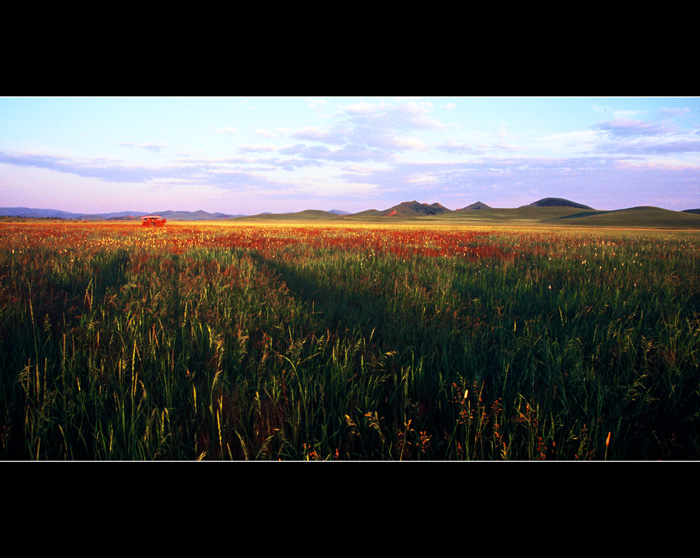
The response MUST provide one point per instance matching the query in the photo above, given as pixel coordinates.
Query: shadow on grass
(339, 308)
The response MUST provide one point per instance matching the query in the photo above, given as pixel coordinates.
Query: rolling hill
(547, 211)
(475, 206)
(558, 202)
(191, 215)
(640, 216)
(407, 209)
(33, 213)
(307, 214)
(415, 209)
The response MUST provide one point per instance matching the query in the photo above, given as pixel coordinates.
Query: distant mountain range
(29, 212)
(545, 209)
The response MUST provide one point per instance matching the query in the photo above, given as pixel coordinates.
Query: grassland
(349, 340)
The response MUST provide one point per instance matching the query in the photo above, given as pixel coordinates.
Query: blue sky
(246, 155)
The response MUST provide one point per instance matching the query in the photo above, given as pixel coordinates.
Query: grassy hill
(198, 215)
(641, 216)
(404, 210)
(528, 214)
(475, 206)
(558, 202)
(547, 211)
(633, 217)
(415, 209)
(307, 214)
(536, 215)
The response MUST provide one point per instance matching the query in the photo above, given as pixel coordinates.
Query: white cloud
(146, 146)
(314, 133)
(463, 148)
(410, 143)
(265, 133)
(316, 103)
(256, 148)
(220, 131)
(362, 107)
(569, 142)
(423, 178)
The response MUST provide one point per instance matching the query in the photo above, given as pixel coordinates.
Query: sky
(248, 155)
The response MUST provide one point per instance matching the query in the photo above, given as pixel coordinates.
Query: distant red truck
(152, 221)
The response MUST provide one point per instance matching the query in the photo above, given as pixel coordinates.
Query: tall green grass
(298, 343)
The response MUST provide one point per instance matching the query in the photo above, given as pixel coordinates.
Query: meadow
(348, 341)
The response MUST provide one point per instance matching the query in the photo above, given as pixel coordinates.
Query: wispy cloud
(321, 153)
(225, 131)
(256, 148)
(452, 146)
(371, 130)
(105, 169)
(627, 127)
(147, 146)
(396, 149)
(660, 135)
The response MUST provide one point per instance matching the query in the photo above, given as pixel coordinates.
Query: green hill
(307, 214)
(641, 216)
(527, 214)
(366, 214)
(558, 202)
(547, 211)
(560, 215)
(198, 215)
(415, 209)
(475, 206)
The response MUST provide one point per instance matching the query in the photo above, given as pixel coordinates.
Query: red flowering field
(300, 341)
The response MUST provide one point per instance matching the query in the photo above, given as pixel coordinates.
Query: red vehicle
(152, 221)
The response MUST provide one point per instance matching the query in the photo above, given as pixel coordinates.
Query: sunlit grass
(347, 341)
